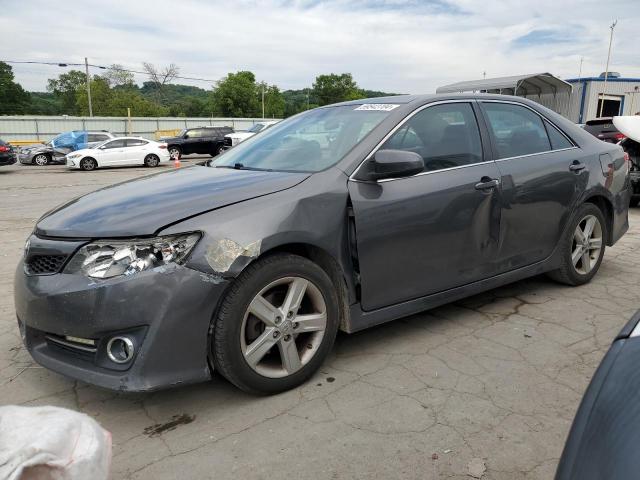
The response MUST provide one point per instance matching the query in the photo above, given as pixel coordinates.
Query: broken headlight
(111, 258)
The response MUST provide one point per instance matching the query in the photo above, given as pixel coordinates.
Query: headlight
(111, 258)
(73, 155)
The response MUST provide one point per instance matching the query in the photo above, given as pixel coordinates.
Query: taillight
(619, 136)
(3, 148)
(162, 145)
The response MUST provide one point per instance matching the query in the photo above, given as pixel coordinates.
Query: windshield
(309, 142)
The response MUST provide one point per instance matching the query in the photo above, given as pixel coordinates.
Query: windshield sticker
(380, 107)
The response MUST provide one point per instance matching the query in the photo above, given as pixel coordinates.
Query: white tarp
(50, 443)
(629, 126)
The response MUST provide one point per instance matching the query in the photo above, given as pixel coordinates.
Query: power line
(71, 64)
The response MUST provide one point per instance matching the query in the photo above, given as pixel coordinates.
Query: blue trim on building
(601, 79)
(584, 94)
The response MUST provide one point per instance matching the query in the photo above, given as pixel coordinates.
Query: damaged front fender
(225, 254)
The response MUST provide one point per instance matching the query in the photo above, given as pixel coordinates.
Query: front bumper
(167, 311)
(25, 158)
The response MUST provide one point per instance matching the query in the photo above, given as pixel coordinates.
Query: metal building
(543, 88)
(578, 99)
(621, 96)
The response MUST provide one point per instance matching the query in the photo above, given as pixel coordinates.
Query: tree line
(238, 94)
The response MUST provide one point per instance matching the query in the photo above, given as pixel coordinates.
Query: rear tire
(278, 347)
(88, 164)
(582, 247)
(151, 160)
(175, 153)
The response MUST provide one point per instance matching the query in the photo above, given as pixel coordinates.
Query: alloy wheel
(586, 245)
(87, 164)
(174, 153)
(283, 327)
(41, 160)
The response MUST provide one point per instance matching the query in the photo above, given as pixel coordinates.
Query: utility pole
(86, 68)
(580, 71)
(606, 71)
(263, 100)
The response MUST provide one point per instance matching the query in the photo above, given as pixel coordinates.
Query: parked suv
(604, 129)
(250, 266)
(204, 140)
(7, 155)
(56, 149)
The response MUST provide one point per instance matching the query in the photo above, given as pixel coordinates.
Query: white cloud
(409, 47)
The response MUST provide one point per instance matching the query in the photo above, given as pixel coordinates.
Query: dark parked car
(204, 140)
(55, 150)
(7, 154)
(604, 129)
(604, 438)
(632, 149)
(342, 217)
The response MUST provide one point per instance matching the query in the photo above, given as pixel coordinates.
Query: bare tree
(117, 76)
(160, 76)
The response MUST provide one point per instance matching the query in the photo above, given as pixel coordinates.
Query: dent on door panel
(424, 234)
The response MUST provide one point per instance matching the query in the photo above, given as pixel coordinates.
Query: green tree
(13, 99)
(117, 76)
(273, 100)
(235, 95)
(113, 102)
(334, 88)
(65, 88)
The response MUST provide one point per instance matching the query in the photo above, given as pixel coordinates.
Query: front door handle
(577, 166)
(487, 183)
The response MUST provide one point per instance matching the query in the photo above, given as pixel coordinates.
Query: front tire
(582, 247)
(41, 159)
(276, 325)
(88, 164)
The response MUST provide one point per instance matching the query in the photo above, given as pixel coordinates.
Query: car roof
(434, 97)
(131, 138)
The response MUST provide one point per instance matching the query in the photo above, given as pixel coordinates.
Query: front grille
(227, 141)
(45, 264)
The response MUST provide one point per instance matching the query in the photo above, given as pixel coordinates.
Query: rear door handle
(487, 183)
(577, 166)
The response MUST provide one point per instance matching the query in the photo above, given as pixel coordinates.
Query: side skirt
(361, 319)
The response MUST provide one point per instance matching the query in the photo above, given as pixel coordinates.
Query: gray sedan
(340, 218)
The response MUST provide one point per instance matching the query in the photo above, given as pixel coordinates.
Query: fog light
(120, 349)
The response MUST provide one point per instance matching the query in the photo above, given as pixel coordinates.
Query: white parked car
(232, 139)
(120, 152)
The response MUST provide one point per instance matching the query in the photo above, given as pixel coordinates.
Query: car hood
(84, 151)
(36, 148)
(144, 206)
(242, 135)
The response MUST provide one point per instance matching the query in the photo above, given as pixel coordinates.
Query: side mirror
(394, 164)
(186, 135)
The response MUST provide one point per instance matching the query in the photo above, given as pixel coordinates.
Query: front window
(309, 142)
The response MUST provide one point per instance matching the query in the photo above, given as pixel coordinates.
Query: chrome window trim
(400, 124)
(384, 180)
(534, 154)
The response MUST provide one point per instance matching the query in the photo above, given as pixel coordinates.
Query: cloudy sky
(395, 46)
